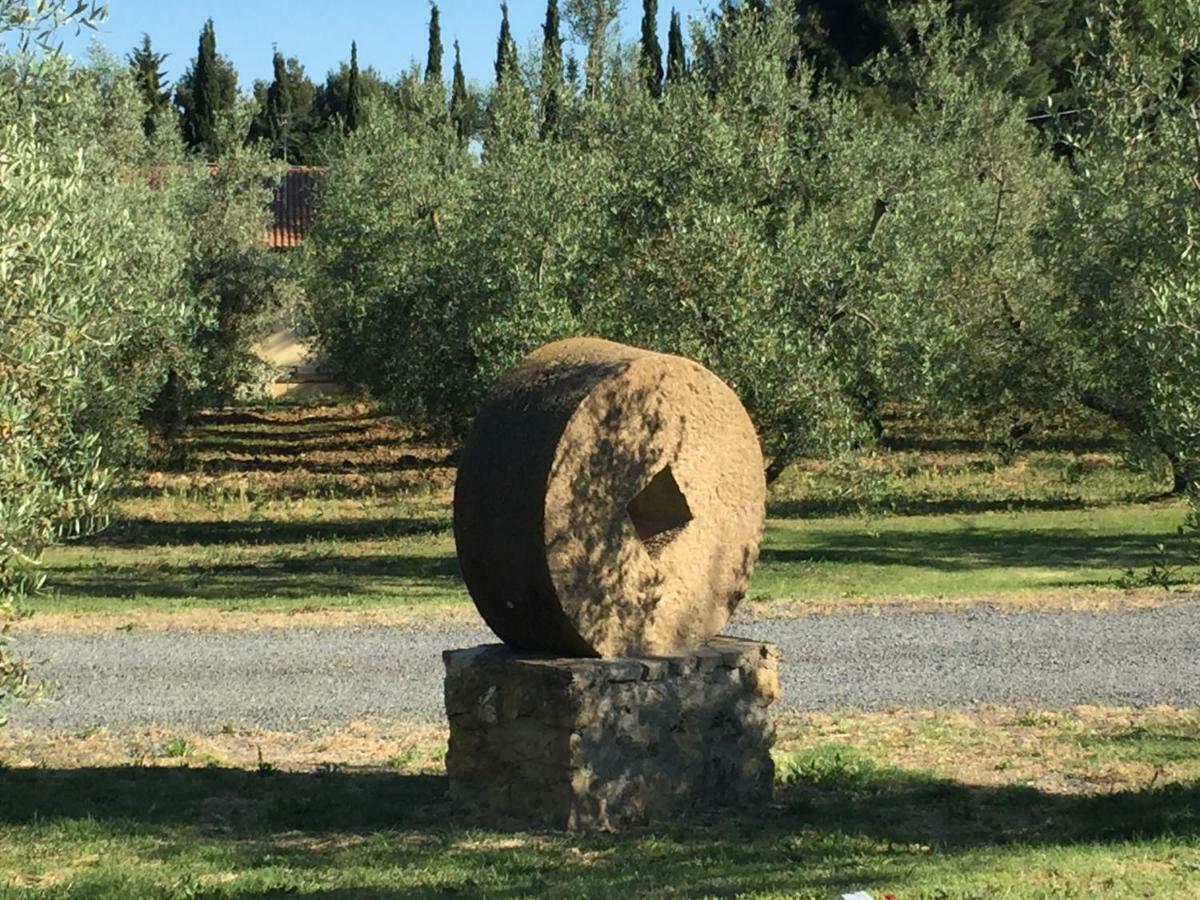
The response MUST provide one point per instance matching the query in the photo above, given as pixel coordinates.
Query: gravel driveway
(305, 677)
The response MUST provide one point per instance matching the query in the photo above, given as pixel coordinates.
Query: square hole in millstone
(660, 512)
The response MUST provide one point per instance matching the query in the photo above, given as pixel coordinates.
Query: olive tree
(821, 256)
(122, 263)
(90, 258)
(1125, 242)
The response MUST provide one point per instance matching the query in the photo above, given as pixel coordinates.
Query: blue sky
(390, 33)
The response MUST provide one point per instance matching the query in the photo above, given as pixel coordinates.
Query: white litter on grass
(861, 895)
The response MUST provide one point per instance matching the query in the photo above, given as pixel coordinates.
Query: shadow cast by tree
(294, 578)
(964, 549)
(147, 532)
(824, 831)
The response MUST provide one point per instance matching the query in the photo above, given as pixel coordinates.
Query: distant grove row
(296, 116)
(983, 213)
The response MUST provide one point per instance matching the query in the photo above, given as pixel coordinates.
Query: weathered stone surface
(609, 502)
(585, 745)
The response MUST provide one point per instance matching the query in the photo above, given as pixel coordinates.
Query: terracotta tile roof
(292, 206)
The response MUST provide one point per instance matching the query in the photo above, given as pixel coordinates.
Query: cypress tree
(205, 86)
(506, 48)
(652, 62)
(149, 77)
(353, 92)
(676, 50)
(331, 100)
(459, 100)
(433, 64)
(552, 69)
(204, 93)
(279, 108)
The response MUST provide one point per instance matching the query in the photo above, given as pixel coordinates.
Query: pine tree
(552, 69)
(279, 108)
(331, 100)
(353, 92)
(1053, 33)
(506, 48)
(676, 50)
(838, 36)
(302, 129)
(205, 93)
(652, 62)
(433, 64)
(460, 101)
(149, 77)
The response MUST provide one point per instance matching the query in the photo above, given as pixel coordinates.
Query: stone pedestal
(593, 744)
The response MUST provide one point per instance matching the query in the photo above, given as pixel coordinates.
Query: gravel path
(316, 676)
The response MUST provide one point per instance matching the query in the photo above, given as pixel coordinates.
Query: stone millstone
(610, 502)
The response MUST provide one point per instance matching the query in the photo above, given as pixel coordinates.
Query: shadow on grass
(1149, 745)
(964, 549)
(252, 444)
(284, 418)
(826, 508)
(141, 532)
(829, 830)
(316, 573)
(227, 465)
(1062, 442)
(294, 578)
(348, 485)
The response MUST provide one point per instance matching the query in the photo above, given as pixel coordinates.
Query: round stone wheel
(610, 502)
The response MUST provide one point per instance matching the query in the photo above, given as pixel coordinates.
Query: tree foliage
(286, 117)
(92, 305)
(591, 22)
(332, 101)
(651, 49)
(433, 63)
(126, 266)
(677, 65)
(205, 95)
(1125, 241)
(461, 102)
(507, 65)
(354, 92)
(839, 36)
(552, 86)
(146, 66)
(828, 254)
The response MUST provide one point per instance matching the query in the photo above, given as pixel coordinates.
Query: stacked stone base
(590, 744)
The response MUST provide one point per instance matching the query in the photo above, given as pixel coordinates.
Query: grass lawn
(923, 805)
(337, 508)
(278, 511)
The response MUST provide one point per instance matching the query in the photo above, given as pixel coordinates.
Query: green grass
(337, 508)
(845, 818)
(987, 554)
(375, 561)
